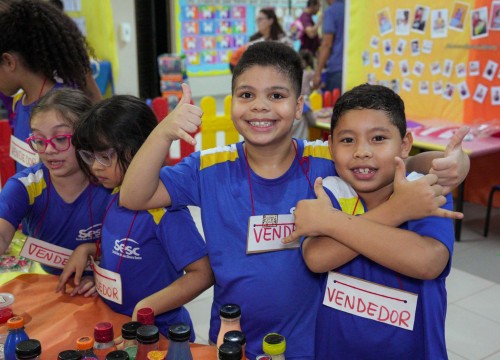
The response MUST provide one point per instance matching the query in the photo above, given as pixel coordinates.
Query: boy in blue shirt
(389, 301)
(247, 193)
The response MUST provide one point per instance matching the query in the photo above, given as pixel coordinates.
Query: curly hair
(47, 40)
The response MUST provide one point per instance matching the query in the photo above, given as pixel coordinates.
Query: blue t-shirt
(333, 23)
(28, 194)
(275, 290)
(340, 335)
(160, 245)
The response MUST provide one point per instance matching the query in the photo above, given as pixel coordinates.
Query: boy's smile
(264, 106)
(363, 145)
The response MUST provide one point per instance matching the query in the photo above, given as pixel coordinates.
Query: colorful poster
(441, 56)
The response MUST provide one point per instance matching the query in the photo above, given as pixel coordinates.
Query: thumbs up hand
(183, 120)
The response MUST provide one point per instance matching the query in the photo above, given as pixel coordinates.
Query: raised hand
(307, 214)
(419, 198)
(452, 169)
(183, 120)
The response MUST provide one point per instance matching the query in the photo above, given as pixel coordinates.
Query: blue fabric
(340, 335)
(276, 291)
(155, 255)
(66, 225)
(333, 23)
(103, 75)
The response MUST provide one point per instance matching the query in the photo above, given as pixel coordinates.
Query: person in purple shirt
(309, 38)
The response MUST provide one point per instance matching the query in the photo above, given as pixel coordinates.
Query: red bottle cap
(146, 316)
(103, 332)
(5, 314)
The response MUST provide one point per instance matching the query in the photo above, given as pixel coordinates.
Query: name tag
(369, 300)
(266, 231)
(108, 283)
(46, 253)
(22, 153)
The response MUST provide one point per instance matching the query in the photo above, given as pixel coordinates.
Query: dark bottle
(230, 315)
(230, 351)
(117, 355)
(69, 355)
(28, 350)
(179, 349)
(148, 338)
(129, 335)
(236, 336)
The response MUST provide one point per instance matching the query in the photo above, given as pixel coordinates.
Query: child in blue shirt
(389, 301)
(247, 193)
(148, 251)
(54, 200)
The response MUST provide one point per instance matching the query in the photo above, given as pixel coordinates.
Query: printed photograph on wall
(420, 19)
(439, 21)
(495, 16)
(458, 14)
(479, 22)
(402, 21)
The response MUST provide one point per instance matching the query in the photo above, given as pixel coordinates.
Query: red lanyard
(47, 206)
(98, 242)
(306, 160)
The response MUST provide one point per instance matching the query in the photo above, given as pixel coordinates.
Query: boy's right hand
(76, 264)
(419, 198)
(183, 120)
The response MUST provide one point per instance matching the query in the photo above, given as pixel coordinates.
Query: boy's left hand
(452, 169)
(307, 221)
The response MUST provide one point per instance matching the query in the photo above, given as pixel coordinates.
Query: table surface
(58, 320)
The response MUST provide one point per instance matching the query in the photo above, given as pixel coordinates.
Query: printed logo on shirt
(127, 248)
(91, 233)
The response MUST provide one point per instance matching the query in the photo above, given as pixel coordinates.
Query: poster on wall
(209, 31)
(441, 56)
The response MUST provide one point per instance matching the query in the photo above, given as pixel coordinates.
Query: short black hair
(375, 97)
(272, 53)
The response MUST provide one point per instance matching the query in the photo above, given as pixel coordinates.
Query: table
(57, 320)
(484, 153)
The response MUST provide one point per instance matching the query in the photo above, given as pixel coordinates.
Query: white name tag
(22, 153)
(46, 253)
(266, 231)
(107, 283)
(369, 300)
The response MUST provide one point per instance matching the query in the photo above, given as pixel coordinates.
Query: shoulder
(348, 200)
(33, 180)
(218, 155)
(317, 149)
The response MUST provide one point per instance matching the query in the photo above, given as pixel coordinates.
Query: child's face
(363, 145)
(47, 124)
(264, 106)
(109, 176)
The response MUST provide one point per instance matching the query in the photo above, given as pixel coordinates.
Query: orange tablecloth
(57, 320)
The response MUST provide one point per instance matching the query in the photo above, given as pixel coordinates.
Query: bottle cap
(274, 344)
(263, 357)
(230, 311)
(15, 322)
(148, 334)
(157, 355)
(230, 351)
(103, 332)
(69, 355)
(28, 349)
(117, 355)
(5, 314)
(146, 316)
(235, 336)
(85, 343)
(129, 330)
(179, 332)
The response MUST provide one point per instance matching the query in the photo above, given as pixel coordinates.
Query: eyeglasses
(259, 19)
(60, 142)
(105, 158)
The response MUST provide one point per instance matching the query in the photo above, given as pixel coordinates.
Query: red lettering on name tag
(272, 233)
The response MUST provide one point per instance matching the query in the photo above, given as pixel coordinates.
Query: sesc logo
(91, 233)
(127, 249)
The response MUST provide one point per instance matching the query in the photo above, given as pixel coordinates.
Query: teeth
(260, 123)
(364, 171)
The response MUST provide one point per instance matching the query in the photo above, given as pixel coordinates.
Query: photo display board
(441, 56)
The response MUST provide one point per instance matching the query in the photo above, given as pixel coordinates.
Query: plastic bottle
(230, 351)
(69, 355)
(148, 338)
(16, 334)
(237, 337)
(28, 350)
(146, 316)
(129, 335)
(103, 339)
(230, 315)
(117, 355)
(274, 344)
(85, 345)
(179, 349)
